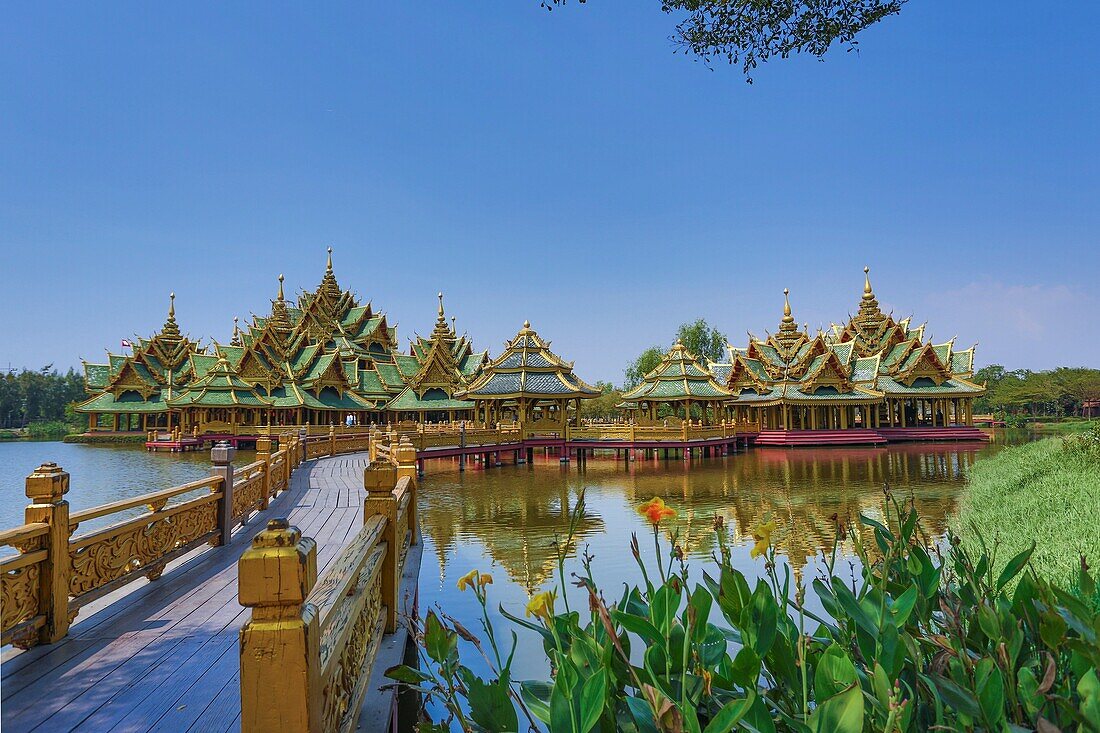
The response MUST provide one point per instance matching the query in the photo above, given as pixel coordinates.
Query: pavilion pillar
(843, 418)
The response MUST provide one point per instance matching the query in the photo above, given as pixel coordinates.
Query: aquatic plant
(920, 639)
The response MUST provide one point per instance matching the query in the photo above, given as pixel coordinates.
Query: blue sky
(565, 167)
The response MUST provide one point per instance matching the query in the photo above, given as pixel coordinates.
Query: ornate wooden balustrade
(54, 571)
(309, 648)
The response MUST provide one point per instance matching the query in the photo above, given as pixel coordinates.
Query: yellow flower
(762, 533)
(484, 579)
(541, 605)
(467, 580)
(655, 510)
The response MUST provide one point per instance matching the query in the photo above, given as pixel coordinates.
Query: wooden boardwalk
(163, 655)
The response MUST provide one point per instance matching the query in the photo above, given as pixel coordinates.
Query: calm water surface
(504, 521)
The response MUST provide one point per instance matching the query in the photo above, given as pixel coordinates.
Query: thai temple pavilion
(315, 361)
(680, 382)
(873, 374)
(528, 384)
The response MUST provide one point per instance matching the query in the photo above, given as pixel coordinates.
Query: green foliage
(749, 32)
(646, 362)
(38, 396)
(1022, 394)
(914, 642)
(1045, 493)
(703, 340)
(603, 407)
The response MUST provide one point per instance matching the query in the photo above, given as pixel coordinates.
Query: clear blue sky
(565, 167)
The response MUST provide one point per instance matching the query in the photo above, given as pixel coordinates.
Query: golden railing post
(263, 453)
(407, 466)
(222, 455)
(46, 488)
(379, 481)
(331, 440)
(280, 656)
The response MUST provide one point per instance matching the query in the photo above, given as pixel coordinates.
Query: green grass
(1035, 492)
(1068, 426)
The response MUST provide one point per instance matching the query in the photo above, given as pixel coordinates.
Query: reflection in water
(515, 512)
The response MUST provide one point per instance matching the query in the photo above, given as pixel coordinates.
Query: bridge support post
(46, 488)
(332, 440)
(222, 455)
(280, 659)
(303, 433)
(263, 453)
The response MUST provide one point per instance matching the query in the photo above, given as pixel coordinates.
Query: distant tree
(646, 362)
(750, 32)
(37, 395)
(603, 407)
(703, 340)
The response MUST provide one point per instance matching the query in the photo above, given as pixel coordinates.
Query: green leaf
(1014, 566)
(763, 614)
(851, 606)
(730, 714)
(490, 705)
(637, 625)
(662, 610)
(700, 601)
(407, 674)
(561, 710)
(593, 694)
(642, 714)
(842, 713)
(536, 696)
(956, 697)
(834, 674)
(991, 692)
(877, 525)
(439, 643)
(903, 606)
(733, 595)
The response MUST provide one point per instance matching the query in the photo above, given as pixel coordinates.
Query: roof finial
(526, 324)
(866, 281)
(787, 306)
(329, 266)
(280, 288)
(171, 305)
(440, 296)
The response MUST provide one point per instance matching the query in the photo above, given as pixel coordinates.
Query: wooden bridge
(288, 628)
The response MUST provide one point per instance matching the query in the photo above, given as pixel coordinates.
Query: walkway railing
(50, 571)
(308, 651)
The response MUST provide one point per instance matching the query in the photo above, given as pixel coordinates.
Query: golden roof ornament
(280, 320)
(329, 287)
(171, 329)
(236, 341)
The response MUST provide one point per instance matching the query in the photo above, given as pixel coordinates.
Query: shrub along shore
(1046, 493)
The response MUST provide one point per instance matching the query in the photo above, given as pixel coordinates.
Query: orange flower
(656, 511)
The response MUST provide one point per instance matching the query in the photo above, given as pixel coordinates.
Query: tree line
(1022, 393)
(36, 396)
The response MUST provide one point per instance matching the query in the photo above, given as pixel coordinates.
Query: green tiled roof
(390, 375)
(96, 376)
(221, 387)
(529, 369)
(434, 400)
(924, 387)
(128, 402)
(865, 369)
(678, 377)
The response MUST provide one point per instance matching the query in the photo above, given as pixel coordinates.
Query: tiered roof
(871, 357)
(677, 378)
(440, 373)
(324, 351)
(528, 369)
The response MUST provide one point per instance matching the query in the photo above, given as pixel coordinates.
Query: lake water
(505, 520)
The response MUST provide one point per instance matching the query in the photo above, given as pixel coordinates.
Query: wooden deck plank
(164, 655)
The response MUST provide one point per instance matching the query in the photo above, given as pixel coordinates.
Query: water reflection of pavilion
(803, 490)
(516, 521)
(515, 514)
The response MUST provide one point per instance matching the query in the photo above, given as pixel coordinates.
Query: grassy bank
(105, 439)
(1038, 493)
(41, 430)
(1068, 426)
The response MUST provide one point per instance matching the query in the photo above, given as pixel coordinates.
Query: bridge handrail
(309, 647)
(56, 572)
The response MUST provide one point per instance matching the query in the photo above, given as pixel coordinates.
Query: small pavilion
(429, 394)
(680, 382)
(528, 384)
(219, 401)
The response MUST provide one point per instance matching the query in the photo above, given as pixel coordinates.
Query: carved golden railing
(308, 650)
(50, 572)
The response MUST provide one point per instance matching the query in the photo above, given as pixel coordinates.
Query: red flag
(126, 344)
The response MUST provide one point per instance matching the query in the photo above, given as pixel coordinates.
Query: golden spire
(868, 307)
(236, 333)
(279, 318)
(787, 318)
(440, 296)
(171, 329)
(441, 331)
(329, 287)
(788, 328)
